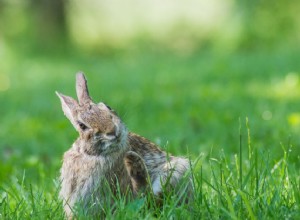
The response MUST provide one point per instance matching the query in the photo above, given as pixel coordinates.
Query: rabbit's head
(101, 130)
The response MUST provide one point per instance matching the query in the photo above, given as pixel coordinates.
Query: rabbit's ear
(69, 106)
(82, 89)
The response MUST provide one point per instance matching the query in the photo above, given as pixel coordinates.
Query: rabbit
(106, 152)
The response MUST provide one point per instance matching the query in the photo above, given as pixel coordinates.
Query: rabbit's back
(161, 167)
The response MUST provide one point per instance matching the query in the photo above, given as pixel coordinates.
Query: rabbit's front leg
(137, 171)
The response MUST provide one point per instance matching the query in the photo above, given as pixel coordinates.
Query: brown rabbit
(106, 152)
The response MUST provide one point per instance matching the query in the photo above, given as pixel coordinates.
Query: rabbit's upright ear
(69, 106)
(82, 89)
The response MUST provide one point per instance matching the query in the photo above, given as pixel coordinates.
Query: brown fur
(106, 153)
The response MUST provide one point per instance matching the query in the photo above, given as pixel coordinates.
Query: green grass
(239, 114)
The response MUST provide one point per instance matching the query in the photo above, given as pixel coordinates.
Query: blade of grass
(241, 169)
(247, 204)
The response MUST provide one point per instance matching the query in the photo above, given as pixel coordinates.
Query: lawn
(237, 114)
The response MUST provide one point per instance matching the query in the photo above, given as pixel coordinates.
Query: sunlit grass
(279, 87)
(252, 187)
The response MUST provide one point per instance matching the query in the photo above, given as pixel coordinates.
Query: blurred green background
(184, 74)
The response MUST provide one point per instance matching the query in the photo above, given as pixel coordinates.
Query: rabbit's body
(106, 154)
(83, 175)
(160, 166)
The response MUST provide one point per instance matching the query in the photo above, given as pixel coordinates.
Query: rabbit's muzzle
(108, 143)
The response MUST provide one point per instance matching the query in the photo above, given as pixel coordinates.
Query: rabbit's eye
(82, 126)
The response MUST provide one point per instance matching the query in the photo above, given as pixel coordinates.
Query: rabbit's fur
(107, 154)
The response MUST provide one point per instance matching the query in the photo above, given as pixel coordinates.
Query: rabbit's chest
(83, 175)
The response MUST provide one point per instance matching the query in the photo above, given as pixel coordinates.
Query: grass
(238, 114)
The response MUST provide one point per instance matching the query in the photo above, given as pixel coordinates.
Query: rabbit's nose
(97, 134)
(112, 133)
